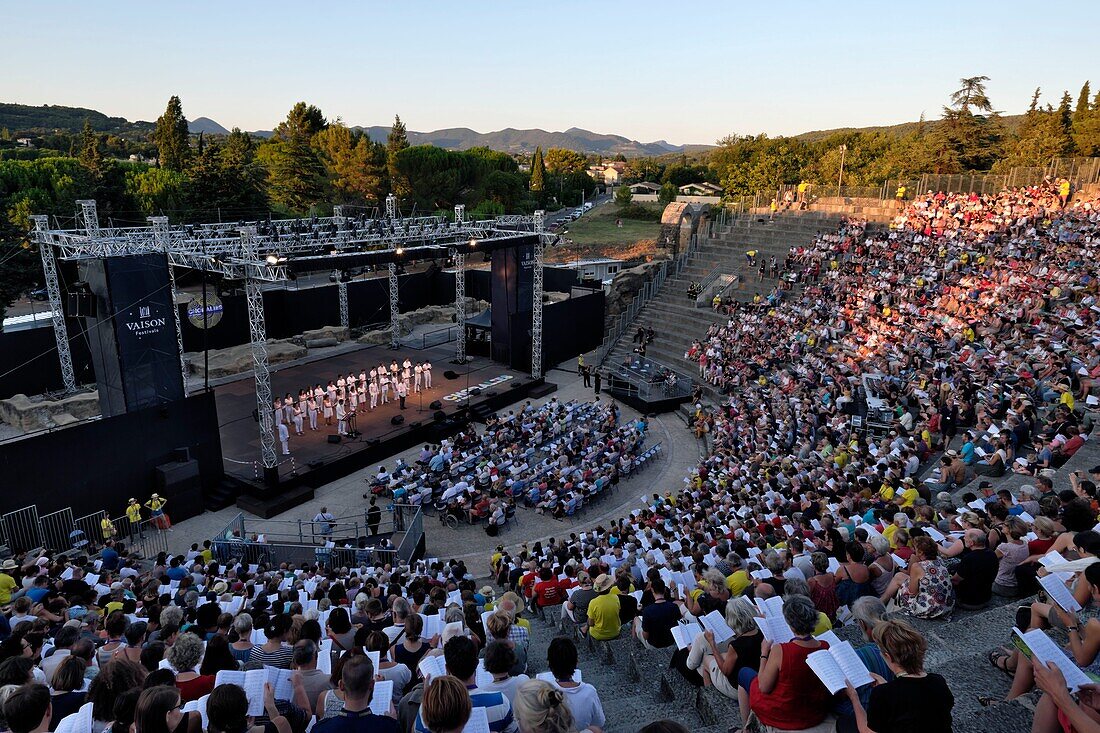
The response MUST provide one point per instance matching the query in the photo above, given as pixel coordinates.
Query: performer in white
(427, 374)
(331, 390)
(341, 419)
(299, 419)
(278, 412)
(406, 375)
(311, 410)
(402, 393)
(362, 394)
(328, 410)
(418, 372)
(288, 409)
(384, 385)
(394, 371)
(353, 399)
(374, 395)
(284, 438)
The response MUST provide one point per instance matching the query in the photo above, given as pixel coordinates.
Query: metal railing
(439, 336)
(646, 293)
(23, 530)
(333, 543)
(637, 378)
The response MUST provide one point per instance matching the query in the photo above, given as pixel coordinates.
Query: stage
(476, 390)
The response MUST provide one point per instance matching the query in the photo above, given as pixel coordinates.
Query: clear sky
(683, 72)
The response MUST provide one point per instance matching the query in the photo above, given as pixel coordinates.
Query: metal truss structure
(267, 251)
(160, 227)
(60, 330)
(459, 258)
(395, 310)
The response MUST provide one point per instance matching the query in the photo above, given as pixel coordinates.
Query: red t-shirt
(548, 593)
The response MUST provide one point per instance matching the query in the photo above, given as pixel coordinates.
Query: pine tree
(90, 157)
(1065, 123)
(1081, 111)
(171, 137)
(397, 141)
(538, 171)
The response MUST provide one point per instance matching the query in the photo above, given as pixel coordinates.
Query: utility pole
(840, 180)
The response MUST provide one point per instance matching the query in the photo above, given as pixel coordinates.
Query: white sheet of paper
(549, 676)
(1046, 651)
(1059, 593)
(478, 722)
(684, 633)
(381, 697)
(775, 629)
(715, 623)
(252, 682)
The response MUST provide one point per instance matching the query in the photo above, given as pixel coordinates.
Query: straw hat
(603, 583)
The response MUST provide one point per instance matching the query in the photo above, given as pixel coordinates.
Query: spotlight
(473, 242)
(272, 259)
(399, 251)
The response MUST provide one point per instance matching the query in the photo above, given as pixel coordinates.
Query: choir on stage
(348, 395)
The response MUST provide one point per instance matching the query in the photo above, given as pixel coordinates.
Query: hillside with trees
(310, 163)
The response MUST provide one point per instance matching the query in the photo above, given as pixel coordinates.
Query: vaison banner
(136, 353)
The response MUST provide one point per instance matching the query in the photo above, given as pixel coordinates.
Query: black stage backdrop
(569, 327)
(101, 463)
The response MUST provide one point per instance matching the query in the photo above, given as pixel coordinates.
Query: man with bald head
(975, 572)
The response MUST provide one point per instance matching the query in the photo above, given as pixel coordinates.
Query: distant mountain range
(48, 118)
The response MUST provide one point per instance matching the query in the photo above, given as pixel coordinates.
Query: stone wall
(39, 413)
(627, 283)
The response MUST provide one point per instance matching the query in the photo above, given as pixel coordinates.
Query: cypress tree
(171, 137)
(538, 171)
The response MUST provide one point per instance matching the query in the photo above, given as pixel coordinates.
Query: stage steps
(223, 495)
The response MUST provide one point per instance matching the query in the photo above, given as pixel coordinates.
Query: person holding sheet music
(356, 716)
(924, 590)
(1082, 626)
(185, 656)
(227, 712)
(1011, 553)
(274, 652)
(720, 669)
(410, 648)
(915, 701)
(785, 693)
(445, 706)
(581, 698)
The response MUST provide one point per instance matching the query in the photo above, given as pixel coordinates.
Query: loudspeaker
(450, 374)
(415, 424)
(80, 305)
(181, 484)
(373, 442)
(180, 455)
(435, 405)
(335, 438)
(516, 384)
(476, 391)
(397, 419)
(314, 465)
(440, 415)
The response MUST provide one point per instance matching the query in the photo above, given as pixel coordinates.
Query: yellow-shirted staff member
(133, 513)
(107, 527)
(155, 505)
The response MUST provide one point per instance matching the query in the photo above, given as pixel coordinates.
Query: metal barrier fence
(304, 542)
(438, 337)
(24, 530)
(638, 378)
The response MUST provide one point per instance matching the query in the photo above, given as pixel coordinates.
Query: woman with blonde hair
(445, 706)
(540, 707)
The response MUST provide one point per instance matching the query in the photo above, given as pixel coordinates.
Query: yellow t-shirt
(909, 497)
(823, 624)
(889, 533)
(7, 585)
(133, 513)
(207, 556)
(603, 617)
(1067, 399)
(738, 582)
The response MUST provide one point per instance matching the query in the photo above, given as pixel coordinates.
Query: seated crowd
(554, 458)
(974, 319)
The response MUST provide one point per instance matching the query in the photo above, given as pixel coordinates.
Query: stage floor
(240, 434)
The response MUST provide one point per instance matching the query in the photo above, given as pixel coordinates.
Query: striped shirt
(497, 709)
